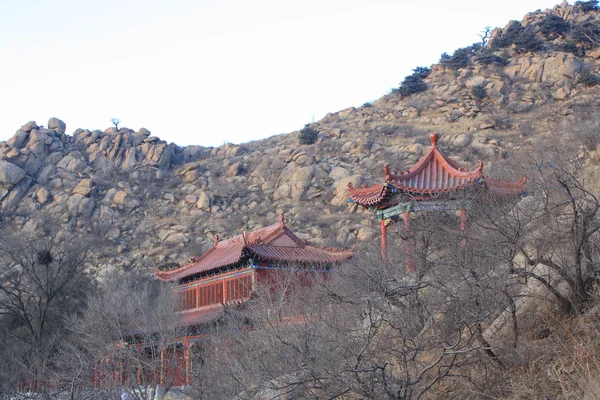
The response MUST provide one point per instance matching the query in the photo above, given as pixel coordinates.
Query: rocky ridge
(160, 203)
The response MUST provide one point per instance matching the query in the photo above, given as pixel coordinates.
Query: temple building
(228, 274)
(230, 270)
(435, 182)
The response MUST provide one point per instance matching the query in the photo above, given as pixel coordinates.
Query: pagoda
(230, 270)
(435, 182)
(225, 275)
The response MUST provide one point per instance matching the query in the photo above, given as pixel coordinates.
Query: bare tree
(368, 330)
(551, 236)
(43, 281)
(130, 338)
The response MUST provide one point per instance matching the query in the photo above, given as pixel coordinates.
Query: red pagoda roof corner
(273, 243)
(433, 174)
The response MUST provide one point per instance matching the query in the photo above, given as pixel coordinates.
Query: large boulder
(57, 125)
(19, 139)
(293, 182)
(84, 187)
(38, 142)
(203, 201)
(341, 188)
(16, 193)
(10, 174)
(28, 127)
(80, 205)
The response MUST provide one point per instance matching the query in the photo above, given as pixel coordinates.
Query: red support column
(383, 239)
(140, 377)
(121, 373)
(410, 265)
(161, 377)
(188, 361)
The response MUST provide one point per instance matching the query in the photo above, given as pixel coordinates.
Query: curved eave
(215, 258)
(305, 254)
(368, 196)
(506, 188)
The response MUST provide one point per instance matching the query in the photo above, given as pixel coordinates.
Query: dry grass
(565, 364)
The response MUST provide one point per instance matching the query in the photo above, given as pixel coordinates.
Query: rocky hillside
(159, 203)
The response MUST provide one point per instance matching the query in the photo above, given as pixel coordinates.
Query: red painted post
(383, 240)
(188, 361)
(139, 366)
(410, 265)
(161, 379)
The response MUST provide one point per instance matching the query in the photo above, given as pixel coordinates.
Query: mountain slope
(159, 203)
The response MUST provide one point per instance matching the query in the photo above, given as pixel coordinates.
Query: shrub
(308, 135)
(514, 34)
(460, 58)
(421, 72)
(553, 25)
(444, 58)
(367, 104)
(583, 34)
(587, 6)
(479, 91)
(508, 36)
(528, 41)
(412, 84)
(569, 46)
(492, 59)
(588, 78)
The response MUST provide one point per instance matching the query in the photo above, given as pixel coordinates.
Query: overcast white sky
(213, 71)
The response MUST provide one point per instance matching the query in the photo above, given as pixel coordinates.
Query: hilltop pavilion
(435, 182)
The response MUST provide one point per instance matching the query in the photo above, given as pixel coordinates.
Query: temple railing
(218, 290)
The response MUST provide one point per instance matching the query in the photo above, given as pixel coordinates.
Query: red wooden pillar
(139, 366)
(410, 265)
(383, 239)
(463, 220)
(161, 375)
(121, 373)
(188, 361)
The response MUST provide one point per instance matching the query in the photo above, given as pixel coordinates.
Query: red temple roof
(272, 243)
(433, 174)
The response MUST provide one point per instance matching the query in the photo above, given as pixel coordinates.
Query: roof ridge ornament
(282, 219)
(216, 238)
(434, 139)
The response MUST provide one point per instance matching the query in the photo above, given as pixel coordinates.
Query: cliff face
(158, 203)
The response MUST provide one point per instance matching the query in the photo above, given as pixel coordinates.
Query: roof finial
(216, 238)
(244, 237)
(281, 219)
(434, 138)
(386, 171)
